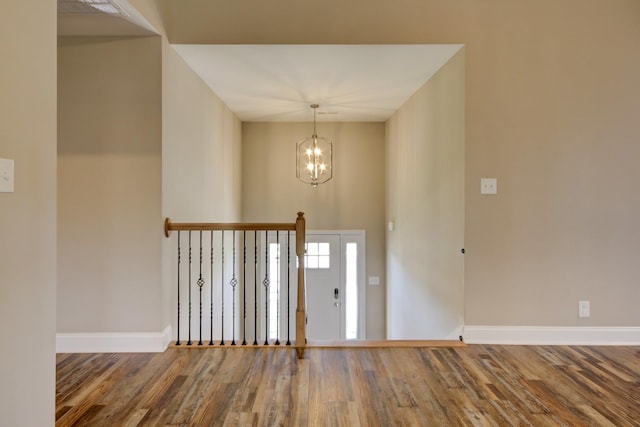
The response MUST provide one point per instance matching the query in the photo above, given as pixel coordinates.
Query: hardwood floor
(477, 385)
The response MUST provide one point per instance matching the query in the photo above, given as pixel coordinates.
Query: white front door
(325, 293)
(335, 268)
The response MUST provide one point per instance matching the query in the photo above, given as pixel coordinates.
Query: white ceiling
(280, 82)
(350, 82)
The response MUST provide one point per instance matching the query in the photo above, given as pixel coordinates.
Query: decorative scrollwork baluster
(200, 285)
(234, 283)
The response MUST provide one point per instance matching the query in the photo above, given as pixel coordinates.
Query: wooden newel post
(301, 310)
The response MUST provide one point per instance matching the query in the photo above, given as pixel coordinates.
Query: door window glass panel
(317, 255)
(312, 248)
(323, 262)
(312, 261)
(274, 290)
(351, 294)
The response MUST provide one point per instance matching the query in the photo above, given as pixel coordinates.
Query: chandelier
(314, 157)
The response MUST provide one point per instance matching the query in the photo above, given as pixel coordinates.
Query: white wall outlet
(584, 308)
(6, 176)
(374, 280)
(488, 185)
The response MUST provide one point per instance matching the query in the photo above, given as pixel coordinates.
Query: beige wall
(352, 200)
(28, 216)
(201, 148)
(109, 184)
(425, 200)
(175, 152)
(552, 105)
(200, 160)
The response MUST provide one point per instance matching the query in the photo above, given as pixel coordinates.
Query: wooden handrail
(299, 227)
(225, 226)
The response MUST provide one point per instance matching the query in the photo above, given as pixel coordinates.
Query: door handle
(336, 293)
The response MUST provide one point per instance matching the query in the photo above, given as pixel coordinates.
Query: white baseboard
(107, 342)
(552, 335)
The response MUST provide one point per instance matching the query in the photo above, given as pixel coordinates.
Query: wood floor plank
(86, 419)
(300, 394)
(88, 405)
(134, 419)
(475, 385)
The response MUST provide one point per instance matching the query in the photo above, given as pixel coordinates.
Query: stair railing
(206, 273)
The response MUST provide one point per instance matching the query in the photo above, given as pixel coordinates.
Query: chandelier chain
(315, 108)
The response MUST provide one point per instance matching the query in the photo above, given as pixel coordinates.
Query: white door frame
(358, 237)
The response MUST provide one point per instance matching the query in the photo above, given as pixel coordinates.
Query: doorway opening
(335, 263)
(336, 298)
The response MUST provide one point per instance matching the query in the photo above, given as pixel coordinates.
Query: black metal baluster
(234, 283)
(222, 285)
(189, 341)
(278, 287)
(244, 288)
(255, 287)
(211, 274)
(265, 283)
(178, 324)
(288, 287)
(200, 284)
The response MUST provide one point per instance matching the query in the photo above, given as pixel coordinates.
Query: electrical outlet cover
(488, 186)
(584, 309)
(6, 176)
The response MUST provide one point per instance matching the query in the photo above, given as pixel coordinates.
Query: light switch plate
(6, 176)
(488, 186)
(374, 280)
